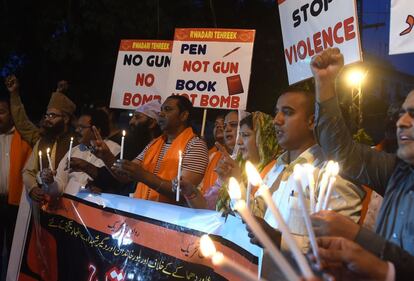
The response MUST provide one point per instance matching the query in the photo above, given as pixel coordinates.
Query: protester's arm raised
(358, 163)
(26, 128)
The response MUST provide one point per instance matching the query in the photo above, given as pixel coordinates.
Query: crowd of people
(307, 128)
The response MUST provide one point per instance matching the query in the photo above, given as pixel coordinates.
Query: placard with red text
(141, 72)
(212, 66)
(310, 26)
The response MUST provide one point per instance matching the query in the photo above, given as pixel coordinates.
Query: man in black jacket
(389, 175)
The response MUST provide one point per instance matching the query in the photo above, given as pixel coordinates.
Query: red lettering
(193, 97)
(302, 55)
(338, 39)
(225, 101)
(317, 42)
(349, 29)
(145, 79)
(235, 100)
(289, 54)
(127, 99)
(136, 100)
(214, 101)
(195, 66)
(327, 38)
(204, 100)
(310, 50)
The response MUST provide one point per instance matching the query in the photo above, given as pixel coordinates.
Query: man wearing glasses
(54, 132)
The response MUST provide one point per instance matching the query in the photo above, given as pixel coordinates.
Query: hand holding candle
(254, 177)
(180, 162)
(235, 194)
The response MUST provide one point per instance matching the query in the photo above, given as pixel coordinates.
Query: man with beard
(84, 165)
(14, 153)
(143, 128)
(156, 167)
(54, 132)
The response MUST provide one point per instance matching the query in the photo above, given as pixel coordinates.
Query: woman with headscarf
(257, 143)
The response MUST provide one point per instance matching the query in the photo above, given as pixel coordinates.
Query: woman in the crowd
(257, 143)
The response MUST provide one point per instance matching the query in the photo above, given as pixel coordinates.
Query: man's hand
(274, 234)
(81, 165)
(62, 86)
(102, 150)
(330, 223)
(37, 194)
(226, 167)
(325, 68)
(129, 169)
(47, 176)
(12, 84)
(346, 260)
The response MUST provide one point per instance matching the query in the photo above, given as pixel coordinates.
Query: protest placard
(401, 27)
(310, 26)
(212, 66)
(141, 72)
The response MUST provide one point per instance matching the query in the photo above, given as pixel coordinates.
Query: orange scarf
(168, 166)
(19, 153)
(210, 176)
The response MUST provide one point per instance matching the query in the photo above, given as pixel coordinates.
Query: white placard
(402, 27)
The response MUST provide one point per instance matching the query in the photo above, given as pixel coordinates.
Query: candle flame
(234, 189)
(207, 246)
(252, 174)
(335, 169)
(309, 168)
(297, 171)
(71, 139)
(40, 153)
(217, 258)
(123, 133)
(48, 150)
(240, 205)
(180, 153)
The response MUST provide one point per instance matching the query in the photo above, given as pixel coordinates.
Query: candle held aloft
(40, 161)
(180, 163)
(121, 155)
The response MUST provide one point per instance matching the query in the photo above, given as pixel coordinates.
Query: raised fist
(12, 84)
(327, 65)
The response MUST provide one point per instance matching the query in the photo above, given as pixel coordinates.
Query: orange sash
(168, 166)
(19, 153)
(212, 151)
(210, 176)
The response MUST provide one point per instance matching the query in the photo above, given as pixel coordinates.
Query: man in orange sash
(156, 166)
(14, 153)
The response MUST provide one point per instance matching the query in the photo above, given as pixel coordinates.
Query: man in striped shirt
(156, 167)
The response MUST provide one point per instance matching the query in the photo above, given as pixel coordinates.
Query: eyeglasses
(82, 127)
(52, 115)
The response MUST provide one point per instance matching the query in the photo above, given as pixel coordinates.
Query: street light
(355, 79)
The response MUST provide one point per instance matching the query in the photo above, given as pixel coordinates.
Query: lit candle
(254, 177)
(70, 151)
(40, 161)
(235, 194)
(180, 162)
(323, 185)
(209, 251)
(332, 179)
(49, 159)
(309, 168)
(121, 156)
(297, 174)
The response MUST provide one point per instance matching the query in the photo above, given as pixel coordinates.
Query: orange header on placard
(146, 45)
(214, 34)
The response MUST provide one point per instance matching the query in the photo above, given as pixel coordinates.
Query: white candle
(40, 161)
(297, 174)
(180, 162)
(332, 179)
(255, 179)
(209, 250)
(241, 207)
(309, 168)
(328, 193)
(323, 185)
(49, 159)
(249, 190)
(121, 156)
(70, 151)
